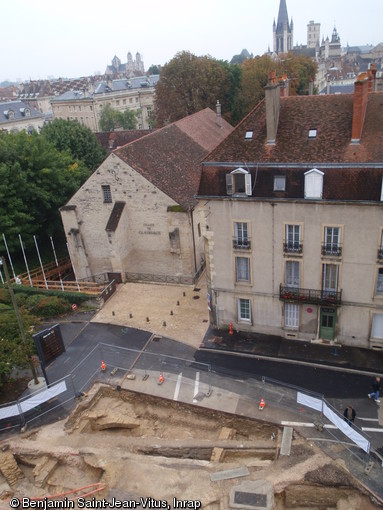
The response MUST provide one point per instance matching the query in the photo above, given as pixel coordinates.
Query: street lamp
(19, 321)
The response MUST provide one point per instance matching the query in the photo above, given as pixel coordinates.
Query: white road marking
(178, 385)
(367, 419)
(196, 387)
(372, 429)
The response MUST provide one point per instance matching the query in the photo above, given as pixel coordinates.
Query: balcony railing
(292, 247)
(241, 244)
(310, 296)
(380, 253)
(331, 250)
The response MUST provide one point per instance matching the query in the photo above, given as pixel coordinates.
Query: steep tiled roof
(330, 115)
(352, 171)
(170, 157)
(116, 139)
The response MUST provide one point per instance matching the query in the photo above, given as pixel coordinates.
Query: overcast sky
(41, 38)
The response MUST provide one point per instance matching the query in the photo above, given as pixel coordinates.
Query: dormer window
(314, 184)
(238, 182)
(10, 114)
(312, 133)
(248, 135)
(279, 183)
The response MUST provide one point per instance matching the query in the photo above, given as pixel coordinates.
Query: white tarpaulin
(338, 421)
(33, 401)
(346, 429)
(306, 400)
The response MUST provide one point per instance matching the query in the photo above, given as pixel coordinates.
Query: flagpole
(41, 264)
(25, 260)
(9, 257)
(74, 271)
(57, 264)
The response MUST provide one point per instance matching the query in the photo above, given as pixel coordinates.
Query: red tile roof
(330, 115)
(170, 157)
(351, 171)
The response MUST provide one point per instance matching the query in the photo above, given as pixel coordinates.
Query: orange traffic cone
(160, 379)
(262, 404)
(103, 366)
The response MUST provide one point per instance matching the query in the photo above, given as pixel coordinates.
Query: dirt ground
(135, 446)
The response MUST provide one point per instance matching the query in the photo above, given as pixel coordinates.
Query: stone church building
(135, 218)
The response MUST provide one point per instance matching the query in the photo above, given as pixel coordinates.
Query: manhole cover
(195, 297)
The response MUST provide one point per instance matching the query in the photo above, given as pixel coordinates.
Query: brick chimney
(284, 86)
(272, 98)
(361, 88)
(371, 73)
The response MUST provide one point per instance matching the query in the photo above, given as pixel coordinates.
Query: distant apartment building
(18, 116)
(122, 94)
(292, 218)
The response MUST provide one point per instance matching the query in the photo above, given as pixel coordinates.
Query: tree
(188, 84)
(299, 70)
(35, 181)
(154, 69)
(79, 140)
(14, 352)
(111, 119)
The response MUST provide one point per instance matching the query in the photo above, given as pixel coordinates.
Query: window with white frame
(291, 315)
(330, 278)
(244, 310)
(379, 281)
(377, 326)
(292, 278)
(279, 183)
(331, 244)
(238, 182)
(293, 239)
(241, 235)
(242, 269)
(107, 194)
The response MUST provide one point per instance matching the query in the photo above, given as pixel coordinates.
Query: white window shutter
(248, 185)
(229, 184)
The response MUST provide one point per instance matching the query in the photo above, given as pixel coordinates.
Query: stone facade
(142, 242)
(85, 107)
(294, 248)
(136, 217)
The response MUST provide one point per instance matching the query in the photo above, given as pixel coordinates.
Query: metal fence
(58, 399)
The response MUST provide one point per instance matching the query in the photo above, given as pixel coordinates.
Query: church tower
(283, 31)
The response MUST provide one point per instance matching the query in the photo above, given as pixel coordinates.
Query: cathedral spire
(282, 15)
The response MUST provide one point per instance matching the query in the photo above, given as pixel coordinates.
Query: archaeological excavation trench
(128, 445)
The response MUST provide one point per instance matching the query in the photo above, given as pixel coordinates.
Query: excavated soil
(135, 446)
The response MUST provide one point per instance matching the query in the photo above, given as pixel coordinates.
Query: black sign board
(49, 344)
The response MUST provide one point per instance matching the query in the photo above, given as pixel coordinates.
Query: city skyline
(42, 40)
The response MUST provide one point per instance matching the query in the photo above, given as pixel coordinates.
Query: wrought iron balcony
(241, 244)
(292, 247)
(331, 250)
(310, 296)
(380, 253)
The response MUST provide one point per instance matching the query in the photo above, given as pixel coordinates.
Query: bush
(47, 306)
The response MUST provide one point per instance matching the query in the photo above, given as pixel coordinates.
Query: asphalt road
(338, 387)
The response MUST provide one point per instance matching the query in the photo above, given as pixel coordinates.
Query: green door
(327, 323)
